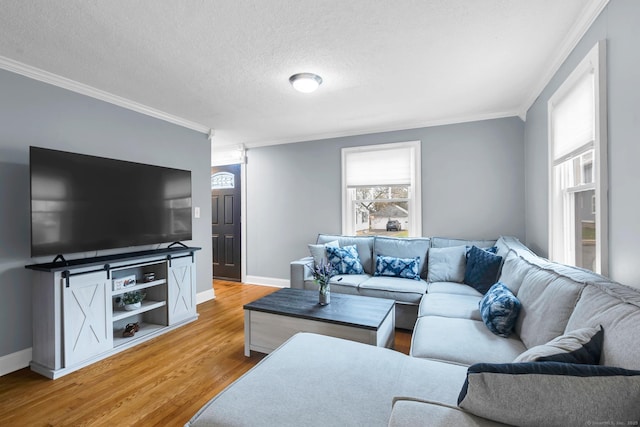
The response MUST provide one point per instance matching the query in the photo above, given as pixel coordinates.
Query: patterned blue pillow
(345, 260)
(407, 268)
(482, 269)
(499, 309)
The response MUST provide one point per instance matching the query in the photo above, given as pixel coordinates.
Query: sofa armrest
(301, 270)
(409, 411)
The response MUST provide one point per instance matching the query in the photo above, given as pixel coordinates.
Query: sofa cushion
(499, 309)
(444, 242)
(504, 244)
(462, 341)
(451, 288)
(547, 301)
(404, 248)
(407, 268)
(514, 269)
(395, 288)
(346, 283)
(446, 264)
(617, 308)
(551, 393)
(579, 346)
(345, 260)
(482, 269)
(364, 244)
(319, 252)
(450, 305)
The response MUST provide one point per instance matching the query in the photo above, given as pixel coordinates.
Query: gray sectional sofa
(406, 292)
(458, 371)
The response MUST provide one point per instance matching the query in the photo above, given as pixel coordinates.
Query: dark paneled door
(225, 222)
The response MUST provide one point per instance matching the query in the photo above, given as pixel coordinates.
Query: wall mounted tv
(85, 203)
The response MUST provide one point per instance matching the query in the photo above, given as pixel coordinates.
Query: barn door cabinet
(78, 306)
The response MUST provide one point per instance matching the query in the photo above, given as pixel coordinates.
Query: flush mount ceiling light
(305, 82)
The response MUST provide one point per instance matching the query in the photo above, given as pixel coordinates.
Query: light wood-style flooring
(162, 382)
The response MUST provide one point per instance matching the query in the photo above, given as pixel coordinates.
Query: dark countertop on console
(102, 260)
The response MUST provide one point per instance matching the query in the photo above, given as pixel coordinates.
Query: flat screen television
(83, 203)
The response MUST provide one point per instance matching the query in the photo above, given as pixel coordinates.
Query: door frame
(243, 198)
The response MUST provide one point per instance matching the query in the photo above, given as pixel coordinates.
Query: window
(578, 165)
(381, 190)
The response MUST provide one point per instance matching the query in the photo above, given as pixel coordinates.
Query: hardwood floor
(162, 382)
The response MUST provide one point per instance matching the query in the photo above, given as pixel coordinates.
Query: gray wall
(618, 24)
(472, 181)
(35, 113)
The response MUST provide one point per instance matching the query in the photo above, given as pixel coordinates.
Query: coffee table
(273, 319)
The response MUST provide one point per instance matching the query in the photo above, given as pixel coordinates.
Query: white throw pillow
(447, 264)
(319, 252)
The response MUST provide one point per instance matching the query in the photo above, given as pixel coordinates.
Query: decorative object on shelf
(133, 300)
(149, 277)
(322, 274)
(130, 329)
(124, 282)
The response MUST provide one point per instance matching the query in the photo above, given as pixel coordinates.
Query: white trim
(228, 155)
(243, 222)
(594, 60)
(15, 361)
(415, 198)
(602, 167)
(83, 89)
(205, 296)
(267, 281)
(575, 34)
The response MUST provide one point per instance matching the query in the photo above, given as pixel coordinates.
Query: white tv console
(77, 318)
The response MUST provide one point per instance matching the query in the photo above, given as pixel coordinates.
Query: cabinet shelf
(139, 287)
(120, 314)
(144, 330)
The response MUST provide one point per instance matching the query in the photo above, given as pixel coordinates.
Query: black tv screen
(85, 203)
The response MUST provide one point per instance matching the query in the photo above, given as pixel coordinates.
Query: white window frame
(415, 186)
(562, 242)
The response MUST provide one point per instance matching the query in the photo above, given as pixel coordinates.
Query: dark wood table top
(350, 310)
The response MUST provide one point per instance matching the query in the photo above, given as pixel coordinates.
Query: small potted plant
(133, 300)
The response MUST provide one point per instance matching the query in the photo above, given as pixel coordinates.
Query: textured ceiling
(225, 64)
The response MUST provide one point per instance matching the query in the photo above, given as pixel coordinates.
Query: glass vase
(324, 294)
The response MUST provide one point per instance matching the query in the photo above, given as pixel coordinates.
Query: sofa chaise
(569, 355)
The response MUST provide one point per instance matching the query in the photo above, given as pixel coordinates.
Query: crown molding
(390, 128)
(575, 34)
(83, 89)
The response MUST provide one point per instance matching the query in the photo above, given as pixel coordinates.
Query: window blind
(573, 118)
(379, 167)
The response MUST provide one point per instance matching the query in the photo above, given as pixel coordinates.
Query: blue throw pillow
(492, 249)
(407, 268)
(499, 309)
(560, 393)
(345, 260)
(482, 269)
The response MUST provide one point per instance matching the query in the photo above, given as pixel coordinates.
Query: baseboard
(15, 361)
(205, 296)
(267, 281)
